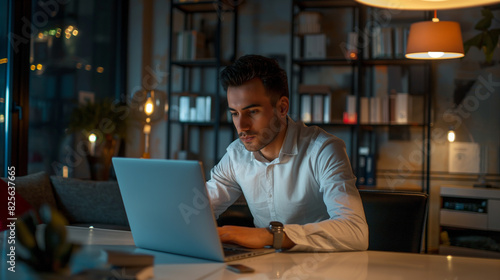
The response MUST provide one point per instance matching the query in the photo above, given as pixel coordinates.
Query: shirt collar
(289, 147)
(290, 144)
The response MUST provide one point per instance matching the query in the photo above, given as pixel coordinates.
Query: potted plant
(101, 125)
(487, 40)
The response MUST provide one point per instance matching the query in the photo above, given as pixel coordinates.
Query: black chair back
(396, 220)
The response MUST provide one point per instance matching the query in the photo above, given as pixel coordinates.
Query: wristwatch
(276, 229)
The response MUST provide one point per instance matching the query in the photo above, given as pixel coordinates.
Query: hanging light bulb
(92, 140)
(149, 108)
(451, 135)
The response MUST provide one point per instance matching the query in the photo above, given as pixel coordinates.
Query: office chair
(396, 220)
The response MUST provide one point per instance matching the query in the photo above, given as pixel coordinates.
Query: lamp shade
(426, 4)
(435, 40)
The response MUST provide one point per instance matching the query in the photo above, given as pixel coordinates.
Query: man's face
(256, 120)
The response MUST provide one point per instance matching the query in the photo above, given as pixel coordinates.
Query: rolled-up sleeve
(346, 229)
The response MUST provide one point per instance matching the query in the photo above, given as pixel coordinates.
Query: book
(191, 44)
(318, 106)
(315, 46)
(305, 108)
(384, 100)
(364, 108)
(308, 22)
(184, 105)
(327, 109)
(375, 110)
(208, 108)
(363, 153)
(200, 108)
(350, 115)
(370, 170)
(401, 108)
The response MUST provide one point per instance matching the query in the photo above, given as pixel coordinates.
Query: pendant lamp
(426, 4)
(435, 40)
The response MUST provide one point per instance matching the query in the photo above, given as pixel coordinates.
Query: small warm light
(451, 135)
(3, 60)
(33, 67)
(449, 257)
(40, 35)
(100, 69)
(39, 67)
(58, 34)
(65, 171)
(52, 32)
(435, 40)
(353, 55)
(70, 28)
(68, 35)
(92, 139)
(149, 108)
(2, 118)
(88, 67)
(75, 32)
(78, 65)
(435, 54)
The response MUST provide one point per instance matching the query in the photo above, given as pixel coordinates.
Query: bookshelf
(195, 57)
(355, 69)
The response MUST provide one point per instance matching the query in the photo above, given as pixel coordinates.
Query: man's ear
(283, 105)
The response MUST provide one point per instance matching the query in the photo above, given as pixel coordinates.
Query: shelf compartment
(324, 62)
(394, 61)
(312, 4)
(203, 7)
(209, 62)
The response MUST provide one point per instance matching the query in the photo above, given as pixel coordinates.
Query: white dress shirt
(309, 187)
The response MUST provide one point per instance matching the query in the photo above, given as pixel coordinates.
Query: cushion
(19, 204)
(89, 202)
(35, 189)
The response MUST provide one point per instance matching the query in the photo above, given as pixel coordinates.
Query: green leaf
(494, 35)
(473, 42)
(485, 22)
(488, 42)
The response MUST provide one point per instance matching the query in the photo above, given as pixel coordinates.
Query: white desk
(341, 265)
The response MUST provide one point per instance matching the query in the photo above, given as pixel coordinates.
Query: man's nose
(242, 123)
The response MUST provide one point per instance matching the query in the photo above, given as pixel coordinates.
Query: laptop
(168, 209)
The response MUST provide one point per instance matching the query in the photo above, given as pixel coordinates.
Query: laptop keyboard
(231, 251)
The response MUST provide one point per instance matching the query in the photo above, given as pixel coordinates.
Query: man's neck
(272, 151)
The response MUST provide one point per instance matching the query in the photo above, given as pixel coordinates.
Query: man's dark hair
(247, 67)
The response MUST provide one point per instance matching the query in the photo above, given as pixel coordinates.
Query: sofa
(97, 203)
(82, 202)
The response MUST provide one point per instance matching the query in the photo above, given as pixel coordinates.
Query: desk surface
(340, 265)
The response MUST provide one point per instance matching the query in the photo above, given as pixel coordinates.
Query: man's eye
(233, 114)
(252, 112)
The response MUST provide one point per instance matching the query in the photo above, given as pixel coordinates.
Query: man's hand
(250, 237)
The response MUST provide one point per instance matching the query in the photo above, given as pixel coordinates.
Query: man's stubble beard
(265, 136)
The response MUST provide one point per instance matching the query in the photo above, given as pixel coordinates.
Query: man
(291, 174)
